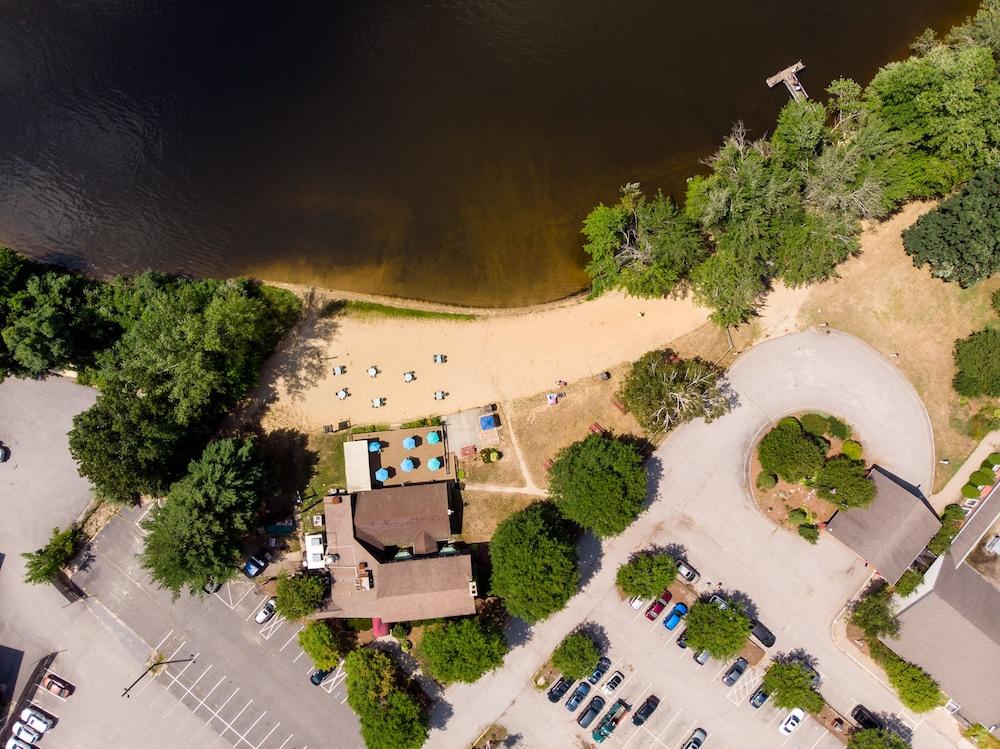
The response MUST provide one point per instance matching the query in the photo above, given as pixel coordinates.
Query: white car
(613, 683)
(13, 743)
(791, 722)
(687, 573)
(36, 720)
(637, 602)
(25, 734)
(266, 611)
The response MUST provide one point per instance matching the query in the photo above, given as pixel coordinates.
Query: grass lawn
(329, 470)
(896, 308)
(504, 472)
(484, 511)
(372, 309)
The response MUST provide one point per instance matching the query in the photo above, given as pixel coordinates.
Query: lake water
(437, 150)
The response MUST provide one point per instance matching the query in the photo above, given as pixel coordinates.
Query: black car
(578, 696)
(735, 672)
(646, 709)
(682, 641)
(318, 676)
(592, 711)
(763, 634)
(602, 668)
(865, 718)
(758, 698)
(211, 586)
(559, 689)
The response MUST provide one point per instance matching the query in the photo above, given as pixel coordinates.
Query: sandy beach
(500, 356)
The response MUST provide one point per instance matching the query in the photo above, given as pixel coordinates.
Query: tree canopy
(461, 650)
(644, 247)
(789, 452)
(599, 483)
(298, 595)
(662, 390)
(647, 574)
(876, 738)
(391, 717)
(915, 687)
(845, 482)
(721, 631)
(534, 559)
(576, 656)
(978, 360)
(789, 683)
(326, 642)
(875, 614)
(43, 566)
(194, 535)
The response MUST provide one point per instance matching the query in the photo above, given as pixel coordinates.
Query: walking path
(952, 491)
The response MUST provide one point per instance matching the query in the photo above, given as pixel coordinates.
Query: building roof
(414, 516)
(978, 522)
(953, 632)
(892, 531)
(357, 466)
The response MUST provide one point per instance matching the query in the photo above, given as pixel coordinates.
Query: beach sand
(498, 357)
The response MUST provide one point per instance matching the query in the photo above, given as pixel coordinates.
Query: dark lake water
(438, 150)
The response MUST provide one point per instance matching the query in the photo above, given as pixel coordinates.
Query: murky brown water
(439, 150)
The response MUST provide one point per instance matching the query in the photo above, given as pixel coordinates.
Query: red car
(57, 686)
(656, 608)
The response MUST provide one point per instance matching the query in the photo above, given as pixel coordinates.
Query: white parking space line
(243, 738)
(294, 635)
(187, 691)
(230, 603)
(253, 610)
(332, 682)
(157, 646)
(229, 725)
(286, 741)
(268, 630)
(822, 736)
(268, 735)
(301, 653)
(776, 715)
(215, 713)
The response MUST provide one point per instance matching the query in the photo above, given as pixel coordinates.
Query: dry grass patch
(505, 472)
(896, 308)
(543, 430)
(484, 511)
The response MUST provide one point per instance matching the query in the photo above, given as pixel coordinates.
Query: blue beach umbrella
(375, 446)
(409, 443)
(382, 475)
(406, 465)
(433, 438)
(434, 464)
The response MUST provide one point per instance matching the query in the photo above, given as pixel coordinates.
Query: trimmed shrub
(978, 360)
(838, 428)
(908, 583)
(951, 523)
(766, 481)
(789, 452)
(915, 687)
(845, 482)
(809, 532)
(576, 656)
(816, 424)
(798, 516)
(982, 478)
(994, 458)
(852, 449)
(970, 492)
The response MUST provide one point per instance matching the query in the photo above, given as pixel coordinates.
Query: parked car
(637, 602)
(682, 641)
(758, 698)
(319, 676)
(697, 739)
(613, 683)
(579, 694)
(56, 686)
(253, 567)
(615, 715)
(559, 689)
(678, 612)
(865, 718)
(25, 734)
(210, 587)
(645, 710)
(718, 601)
(686, 572)
(702, 657)
(599, 670)
(762, 633)
(656, 608)
(36, 720)
(791, 722)
(13, 743)
(4, 453)
(266, 611)
(592, 711)
(735, 672)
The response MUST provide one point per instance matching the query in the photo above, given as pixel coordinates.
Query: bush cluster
(790, 452)
(908, 582)
(576, 656)
(951, 523)
(915, 687)
(647, 574)
(391, 716)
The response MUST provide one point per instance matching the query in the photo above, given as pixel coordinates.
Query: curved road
(700, 502)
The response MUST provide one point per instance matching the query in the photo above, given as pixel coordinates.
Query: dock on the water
(789, 77)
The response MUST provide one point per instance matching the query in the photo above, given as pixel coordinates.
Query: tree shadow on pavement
(590, 553)
(798, 655)
(517, 632)
(742, 600)
(654, 475)
(597, 633)
(897, 725)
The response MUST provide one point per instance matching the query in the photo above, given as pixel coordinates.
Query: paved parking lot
(248, 683)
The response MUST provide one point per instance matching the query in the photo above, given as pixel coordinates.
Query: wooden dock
(789, 76)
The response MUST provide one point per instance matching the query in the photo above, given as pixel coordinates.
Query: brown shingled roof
(414, 515)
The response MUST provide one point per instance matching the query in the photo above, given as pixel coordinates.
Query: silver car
(25, 734)
(697, 739)
(36, 721)
(266, 611)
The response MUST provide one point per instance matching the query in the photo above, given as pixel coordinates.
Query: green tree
(951, 523)
(721, 631)
(789, 683)
(978, 360)
(915, 687)
(44, 321)
(730, 286)
(43, 566)
(391, 718)
(876, 738)
(662, 390)
(960, 239)
(646, 248)
(908, 582)
(845, 482)
(789, 452)
(194, 535)
(461, 650)
(599, 483)
(647, 574)
(298, 595)
(576, 656)
(398, 724)
(535, 570)
(875, 614)
(326, 643)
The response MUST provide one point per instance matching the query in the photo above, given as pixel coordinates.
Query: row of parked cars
(33, 722)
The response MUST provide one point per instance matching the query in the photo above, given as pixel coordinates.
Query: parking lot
(247, 682)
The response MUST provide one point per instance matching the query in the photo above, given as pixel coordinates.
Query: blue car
(578, 696)
(676, 614)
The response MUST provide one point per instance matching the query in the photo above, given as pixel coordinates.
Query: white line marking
(229, 725)
(823, 736)
(187, 691)
(243, 738)
(268, 736)
(157, 646)
(291, 638)
(286, 741)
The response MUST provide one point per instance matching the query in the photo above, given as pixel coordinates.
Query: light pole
(160, 663)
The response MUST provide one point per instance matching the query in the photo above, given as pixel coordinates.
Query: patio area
(407, 456)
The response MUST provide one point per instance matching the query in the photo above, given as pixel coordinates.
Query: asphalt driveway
(700, 503)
